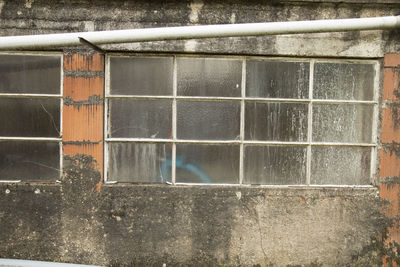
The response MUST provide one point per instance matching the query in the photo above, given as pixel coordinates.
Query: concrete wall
(80, 220)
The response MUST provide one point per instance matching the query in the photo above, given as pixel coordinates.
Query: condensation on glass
(25, 115)
(29, 160)
(141, 75)
(275, 165)
(30, 74)
(279, 129)
(209, 77)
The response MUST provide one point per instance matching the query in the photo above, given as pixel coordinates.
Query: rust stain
(98, 186)
(302, 199)
(91, 62)
(80, 88)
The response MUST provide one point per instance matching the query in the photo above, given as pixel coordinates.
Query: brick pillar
(390, 153)
(84, 106)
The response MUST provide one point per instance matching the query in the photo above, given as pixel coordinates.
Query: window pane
(276, 121)
(30, 117)
(276, 79)
(207, 164)
(141, 75)
(28, 160)
(344, 81)
(208, 120)
(342, 123)
(341, 165)
(275, 165)
(30, 74)
(140, 118)
(209, 77)
(139, 162)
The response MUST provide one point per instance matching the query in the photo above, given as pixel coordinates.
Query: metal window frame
(242, 99)
(27, 95)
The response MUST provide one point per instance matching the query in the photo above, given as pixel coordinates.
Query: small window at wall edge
(31, 104)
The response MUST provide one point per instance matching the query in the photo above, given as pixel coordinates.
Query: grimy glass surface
(275, 165)
(140, 118)
(30, 74)
(207, 163)
(28, 160)
(30, 117)
(342, 123)
(208, 120)
(340, 165)
(141, 75)
(347, 81)
(139, 162)
(209, 77)
(276, 121)
(277, 79)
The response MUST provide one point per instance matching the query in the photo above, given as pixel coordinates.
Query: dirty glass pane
(276, 121)
(275, 165)
(208, 120)
(349, 81)
(207, 163)
(342, 123)
(141, 75)
(209, 77)
(139, 162)
(140, 118)
(277, 79)
(30, 117)
(340, 165)
(30, 74)
(28, 160)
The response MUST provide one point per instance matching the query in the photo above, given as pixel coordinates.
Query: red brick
(390, 164)
(392, 60)
(94, 150)
(391, 124)
(391, 82)
(81, 88)
(82, 62)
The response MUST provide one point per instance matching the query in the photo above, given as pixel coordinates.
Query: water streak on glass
(139, 162)
(276, 121)
(28, 160)
(342, 123)
(30, 74)
(209, 77)
(274, 165)
(30, 117)
(208, 120)
(341, 165)
(347, 81)
(141, 75)
(207, 163)
(277, 79)
(140, 118)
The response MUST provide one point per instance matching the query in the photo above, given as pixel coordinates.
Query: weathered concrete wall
(142, 225)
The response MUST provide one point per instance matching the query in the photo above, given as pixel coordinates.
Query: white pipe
(194, 32)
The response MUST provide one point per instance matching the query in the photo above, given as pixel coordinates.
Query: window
(30, 115)
(240, 120)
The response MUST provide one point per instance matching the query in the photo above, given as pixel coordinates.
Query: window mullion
(174, 119)
(309, 129)
(243, 94)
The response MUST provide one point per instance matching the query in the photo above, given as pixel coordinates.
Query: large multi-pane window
(30, 107)
(240, 120)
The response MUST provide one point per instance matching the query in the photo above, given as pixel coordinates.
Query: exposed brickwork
(390, 156)
(84, 106)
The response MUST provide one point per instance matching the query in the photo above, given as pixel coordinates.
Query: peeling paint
(28, 3)
(190, 45)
